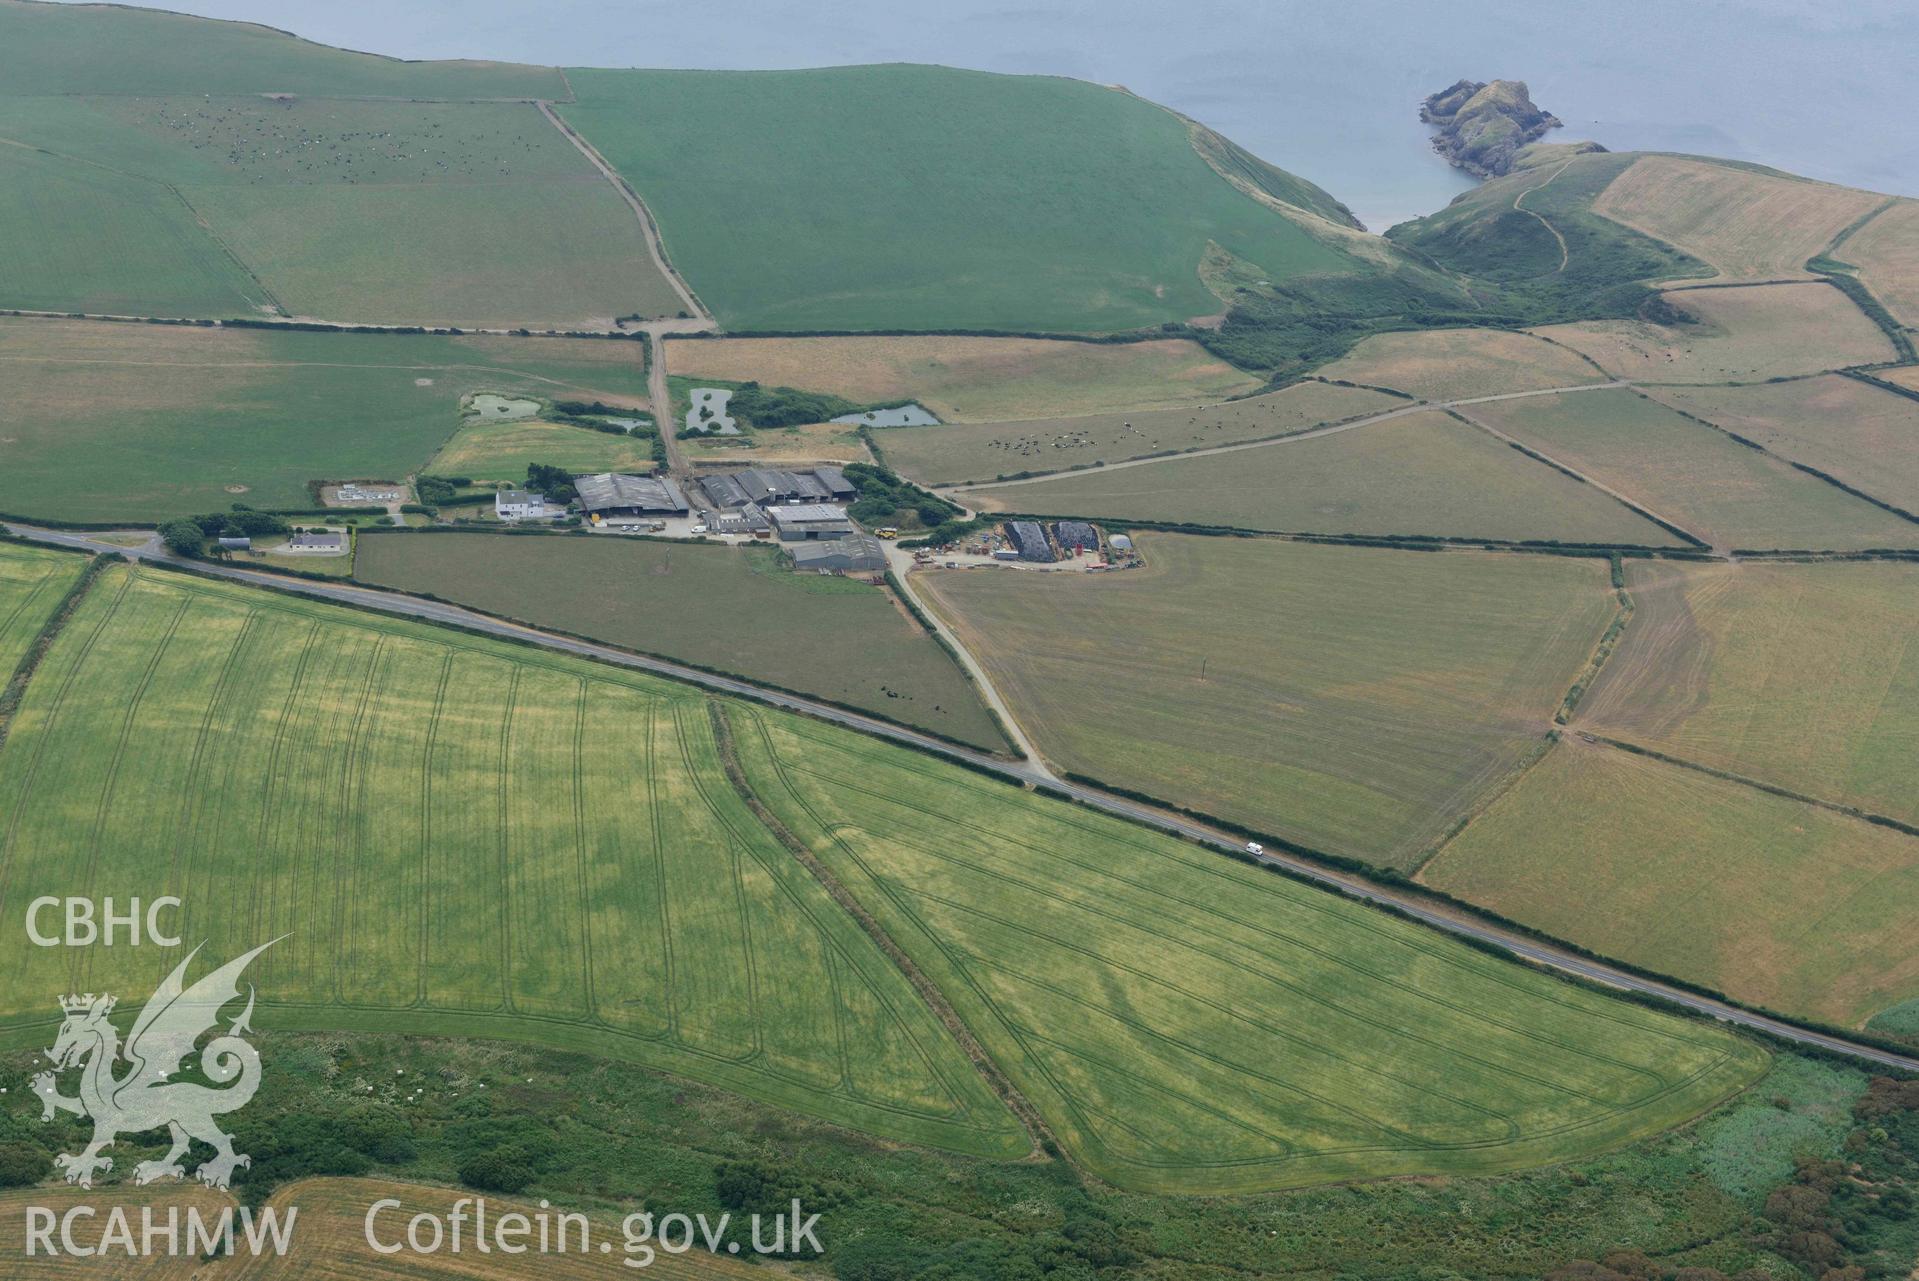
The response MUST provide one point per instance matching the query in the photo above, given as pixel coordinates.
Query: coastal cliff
(1484, 127)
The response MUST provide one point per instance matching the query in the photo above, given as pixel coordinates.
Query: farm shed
(806, 522)
(772, 485)
(723, 492)
(236, 544)
(855, 553)
(1030, 539)
(837, 485)
(1120, 543)
(615, 494)
(1076, 533)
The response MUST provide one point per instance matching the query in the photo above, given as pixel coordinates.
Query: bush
(885, 499)
(184, 538)
(22, 1164)
(785, 406)
(499, 1170)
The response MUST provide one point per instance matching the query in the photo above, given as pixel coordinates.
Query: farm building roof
(855, 552)
(724, 492)
(746, 518)
(1030, 539)
(835, 482)
(807, 514)
(613, 491)
(326, 541)
(772, 484)
(1076, 533)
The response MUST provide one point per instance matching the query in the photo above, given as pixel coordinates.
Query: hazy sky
(1329, 91)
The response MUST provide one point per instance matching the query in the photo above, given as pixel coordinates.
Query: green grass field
(129, 246)
(1189, 1024)
(143, 422)
(951, 453)
(732, 609)
(1803, 676)
(32, 583)
(925, 197)
(1425, 473)
(458, 838)
(1773, 901)
(1864, 436)
(467, 214)
(1351, 699)
(1700, 479)
(51, 49)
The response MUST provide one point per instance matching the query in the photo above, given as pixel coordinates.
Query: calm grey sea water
(1328, 90)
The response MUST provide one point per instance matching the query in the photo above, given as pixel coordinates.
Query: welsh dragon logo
(143, 1098)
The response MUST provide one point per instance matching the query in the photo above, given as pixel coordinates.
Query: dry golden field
(1886, 251)
(1907, 377)
(1861, 434)
(1352, 699)
(958, 452)
(1424, 473)
(1749, 224)
(1802, 676)
(963, 379)
(1740, 335)
(1768, 899)
(1694, 476)
(1448, 364)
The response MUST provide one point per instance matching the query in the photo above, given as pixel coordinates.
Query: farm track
(1454, 920)
(1519, 203)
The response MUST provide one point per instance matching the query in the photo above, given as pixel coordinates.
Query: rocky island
(1483, 127)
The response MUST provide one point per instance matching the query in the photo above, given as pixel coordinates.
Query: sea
(1329, 89)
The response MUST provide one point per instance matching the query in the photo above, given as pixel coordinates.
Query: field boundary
(1604, 649)
(1810, 470)
(1771, 789)
(1401, 542)
(1581, 477)
(29, 664)
(1028, 1116)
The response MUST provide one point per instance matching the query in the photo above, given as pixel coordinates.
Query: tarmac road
(1452, 921)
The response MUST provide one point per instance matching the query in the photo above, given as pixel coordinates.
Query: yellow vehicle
(888, 532)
